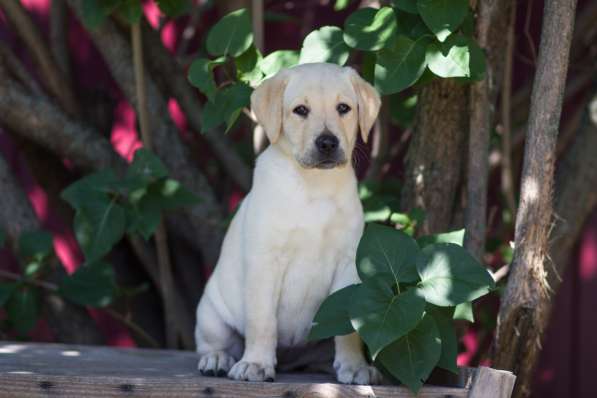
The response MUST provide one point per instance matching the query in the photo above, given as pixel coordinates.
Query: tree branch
(170, 76)
(16, 217)
(492, 16)
(201, 225)
(525, 303)
(56, 83)
(59, 35)
(161, 237)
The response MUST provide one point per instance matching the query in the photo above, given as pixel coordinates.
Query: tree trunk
(435, 153)
(524, 307)
(492, 18)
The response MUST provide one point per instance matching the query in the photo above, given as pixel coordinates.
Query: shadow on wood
(35, 370)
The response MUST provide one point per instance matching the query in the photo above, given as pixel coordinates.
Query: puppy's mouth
(322, 163)
(328, 164)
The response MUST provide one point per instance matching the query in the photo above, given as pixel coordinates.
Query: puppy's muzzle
(329, 154)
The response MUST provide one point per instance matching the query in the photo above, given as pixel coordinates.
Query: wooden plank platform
(42, 370)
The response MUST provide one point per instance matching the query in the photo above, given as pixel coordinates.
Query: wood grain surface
(42, 370)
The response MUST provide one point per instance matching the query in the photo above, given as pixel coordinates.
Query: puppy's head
(314, 111)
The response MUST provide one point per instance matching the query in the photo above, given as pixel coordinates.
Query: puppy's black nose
(326, 143)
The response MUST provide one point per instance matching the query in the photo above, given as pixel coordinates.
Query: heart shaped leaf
(381, 317)
(325, 44)
(412, 357)
(443, 17)
(370, 29)
(451, 276)
(332, 318)
(232, 35)
(388, 254)
(400, 66)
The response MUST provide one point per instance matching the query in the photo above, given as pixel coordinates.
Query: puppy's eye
(342, 108)
(301, 110)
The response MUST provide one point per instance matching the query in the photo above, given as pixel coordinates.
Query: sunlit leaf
(388, 254)
(451, 276)
(232, 35)
(370, 29)
(401, 65)
(325, 44)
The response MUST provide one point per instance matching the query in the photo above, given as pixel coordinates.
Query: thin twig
(52, 287)
(527, 31)
(507, 184)
(17, 69)
(50, 72)
(133, 326)
(35, 282)
(161, 238)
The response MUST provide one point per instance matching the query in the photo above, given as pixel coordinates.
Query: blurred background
(66, 110)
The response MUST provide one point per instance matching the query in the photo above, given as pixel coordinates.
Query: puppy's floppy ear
(266, 104)
(368, 103)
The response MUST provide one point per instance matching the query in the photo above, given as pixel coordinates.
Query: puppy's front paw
(359, 373)
(252, 371)
(216, 363)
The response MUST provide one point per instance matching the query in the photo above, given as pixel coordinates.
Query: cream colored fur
(293, 240)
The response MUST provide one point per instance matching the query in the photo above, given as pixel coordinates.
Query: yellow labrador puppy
(293, 240)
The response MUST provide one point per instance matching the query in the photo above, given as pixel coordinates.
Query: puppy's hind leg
(216, 341)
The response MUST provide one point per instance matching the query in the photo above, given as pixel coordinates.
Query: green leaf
(173, 195)
(247, 66)
(147, 166)
(325, 44)
(94, 12)
(412, 357)
(380, 317)
(35, 245)
(370, 29)
(443, 17)
(388, 254)
(278, 60)
(92, 188)
(90, 285)
(131, 10)
(2, 238)
(23, 309)
(201, 75)
(455, 237)
(450, 275)
(174, 8)
(6, 290)
(332, 318)
(98, 227)
(232, 35)
(447, 332)
(401, 65)
(341, 4)
(226, 106)
(146, 213)
(464, 311)
(406, 5)
(459, 56)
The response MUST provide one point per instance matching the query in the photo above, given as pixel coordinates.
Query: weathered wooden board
(41, 370)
